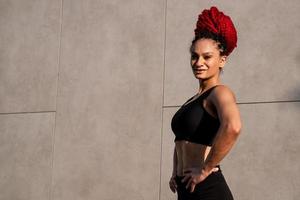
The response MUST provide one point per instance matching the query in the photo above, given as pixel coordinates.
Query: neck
(205, 84)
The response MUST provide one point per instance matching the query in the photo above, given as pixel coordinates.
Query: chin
(197, 76)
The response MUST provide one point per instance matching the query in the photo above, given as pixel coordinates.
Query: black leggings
(214, 187)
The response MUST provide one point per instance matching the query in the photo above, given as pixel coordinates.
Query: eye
(194, 56)
(207, 57)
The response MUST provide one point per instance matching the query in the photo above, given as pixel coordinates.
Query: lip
(199, 70)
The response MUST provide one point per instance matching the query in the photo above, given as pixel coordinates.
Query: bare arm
(174, 163)
(230, 126)
(172, 182)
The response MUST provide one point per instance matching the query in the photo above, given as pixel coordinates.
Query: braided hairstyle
(210, 35)
(213, 24)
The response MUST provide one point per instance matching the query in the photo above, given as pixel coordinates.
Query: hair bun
(215, 21)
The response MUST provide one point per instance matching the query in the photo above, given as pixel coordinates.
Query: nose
(199, 61)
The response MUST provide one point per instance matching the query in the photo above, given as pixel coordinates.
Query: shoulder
(224, 101)
(222, 94)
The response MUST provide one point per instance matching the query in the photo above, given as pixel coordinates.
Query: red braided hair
(215, 21)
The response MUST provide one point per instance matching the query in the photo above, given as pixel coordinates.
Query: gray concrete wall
(88, 89)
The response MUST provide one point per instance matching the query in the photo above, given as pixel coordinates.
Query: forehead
(206, 45)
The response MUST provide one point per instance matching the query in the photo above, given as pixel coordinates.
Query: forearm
(174, 162)
(223, 142)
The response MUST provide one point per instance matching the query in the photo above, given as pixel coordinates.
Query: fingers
(187, 175)
(193, 178)
(172, 189)
(173, 185)
(191, 181)
(191, 184)
(192, 187)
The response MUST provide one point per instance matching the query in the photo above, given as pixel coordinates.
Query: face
(206, 60)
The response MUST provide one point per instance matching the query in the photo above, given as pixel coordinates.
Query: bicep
(227, 109)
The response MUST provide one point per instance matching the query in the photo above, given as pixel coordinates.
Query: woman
(208, 124)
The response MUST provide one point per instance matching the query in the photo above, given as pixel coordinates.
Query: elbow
(237, 130)
(233, 128)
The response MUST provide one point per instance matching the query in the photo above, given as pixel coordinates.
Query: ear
(223, 61)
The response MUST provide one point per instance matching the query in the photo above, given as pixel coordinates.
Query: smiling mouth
(199, 70)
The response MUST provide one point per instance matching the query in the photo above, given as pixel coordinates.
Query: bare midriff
(190, 155)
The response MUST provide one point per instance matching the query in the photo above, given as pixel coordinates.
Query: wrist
(174, 173)
(207, 168)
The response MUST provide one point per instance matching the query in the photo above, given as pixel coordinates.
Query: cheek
(192, 62)
(213, 63)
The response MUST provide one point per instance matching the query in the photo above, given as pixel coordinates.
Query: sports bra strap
(204, 94)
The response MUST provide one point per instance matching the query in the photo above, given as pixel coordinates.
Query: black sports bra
(193, 123)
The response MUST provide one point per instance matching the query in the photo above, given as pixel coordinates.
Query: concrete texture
(29, 51)
(88, 89)
(167, 154)
(108, 127)
(26, 155)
